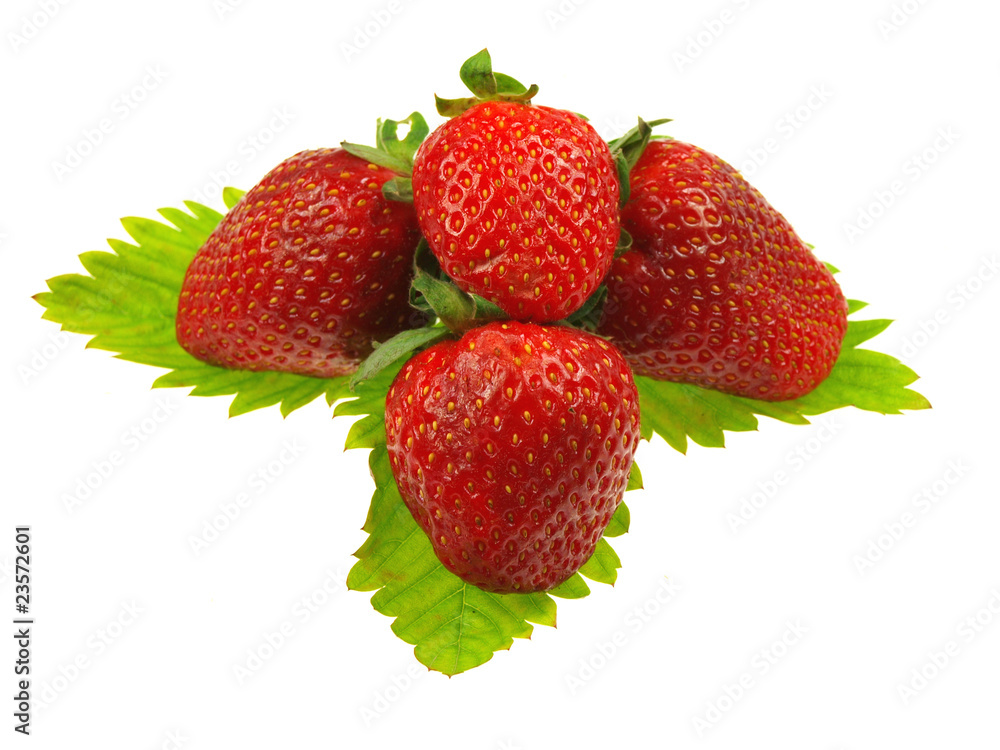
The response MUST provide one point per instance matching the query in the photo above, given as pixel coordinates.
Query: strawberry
(512, 449)
(518, 202)
(718, 290)
(305, 272)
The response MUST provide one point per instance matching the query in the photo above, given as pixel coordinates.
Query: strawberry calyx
(478, 76)
(626, 150)
(434, 293)
(394, 153)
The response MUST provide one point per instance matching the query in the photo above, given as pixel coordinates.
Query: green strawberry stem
(431, 292)
(478, 76)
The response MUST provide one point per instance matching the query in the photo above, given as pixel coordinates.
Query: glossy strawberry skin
(718, 290)
(519, 204)
(310, 267)
(512, 449)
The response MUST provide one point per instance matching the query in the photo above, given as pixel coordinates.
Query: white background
(853, 95)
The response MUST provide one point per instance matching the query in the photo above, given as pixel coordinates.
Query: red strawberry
(518, 202)
(512, 448)
(718, 289)
(310, 267)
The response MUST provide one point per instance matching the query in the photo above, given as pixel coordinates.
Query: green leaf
(624, 243)
(398, 189)
(603, 564)
(622, 518)
(861, 378)
(231, 196)
(634, 478)
(389, 151)
(387, 138)
(634, 142)
(589, 315)
(452, 625)
(128, 304)
(573, 587)
(478, 76)
(382, 159)
(432, 289)
(854, 305)
(625, 186)
(400, 347)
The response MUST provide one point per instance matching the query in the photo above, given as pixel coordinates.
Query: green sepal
(624, 243)
(478, 76)
(588, 317)
(402, 346)
(398, 189)
(433, 290)
(624, 185)
(389, 151)
(627, 149)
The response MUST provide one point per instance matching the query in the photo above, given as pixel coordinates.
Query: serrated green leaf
(621, 519)
(634, 478)
(573, 587)
(603, 564)
(367, 432)
(128, 304)
(861, 378)
(230, 196)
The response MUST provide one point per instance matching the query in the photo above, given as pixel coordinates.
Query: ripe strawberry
(310, 267)
(512, 448)
(519, 203)
(718, 289)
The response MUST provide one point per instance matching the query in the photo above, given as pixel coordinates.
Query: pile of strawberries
(559, 267)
